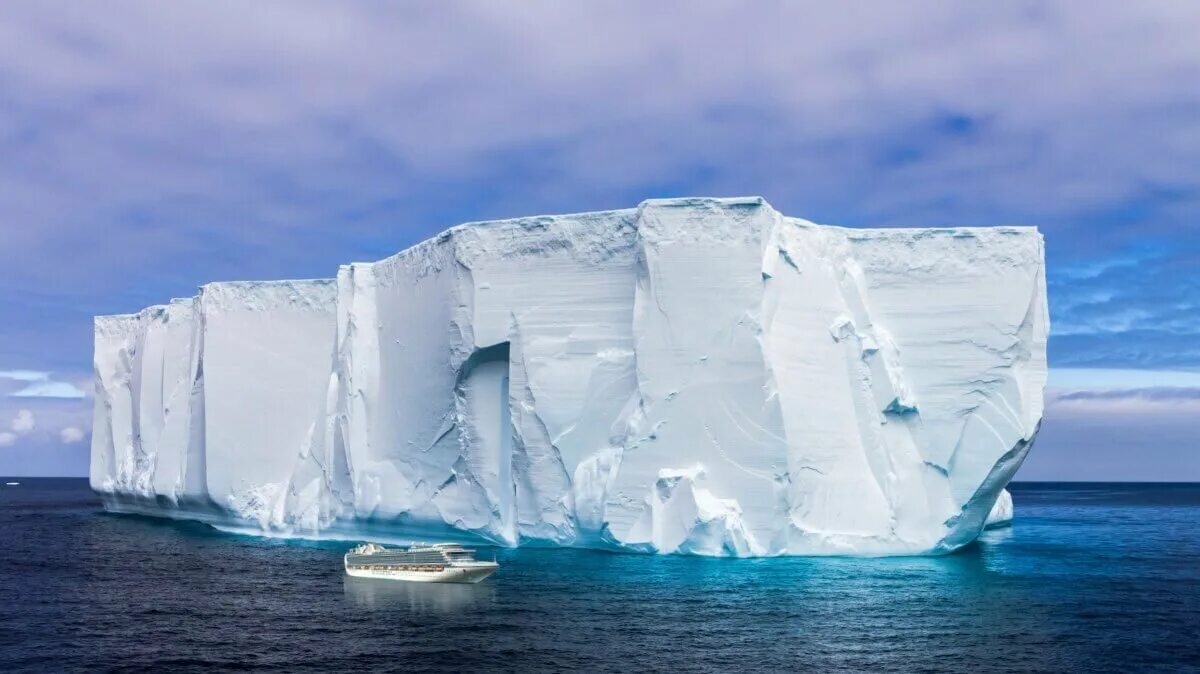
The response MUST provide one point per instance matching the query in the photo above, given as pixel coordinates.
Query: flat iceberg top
(697, 376)
(513, 236)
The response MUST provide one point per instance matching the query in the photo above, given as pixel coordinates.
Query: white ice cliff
(701, 376)
(1001, 513)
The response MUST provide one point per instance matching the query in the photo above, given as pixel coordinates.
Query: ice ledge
(1001, 514)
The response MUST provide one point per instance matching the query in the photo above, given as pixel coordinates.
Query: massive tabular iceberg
(700, 376)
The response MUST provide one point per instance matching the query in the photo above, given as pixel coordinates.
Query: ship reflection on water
(375, 594)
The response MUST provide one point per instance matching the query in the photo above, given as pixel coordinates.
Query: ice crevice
(691, 376)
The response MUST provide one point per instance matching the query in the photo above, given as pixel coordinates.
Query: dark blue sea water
(1089, 577)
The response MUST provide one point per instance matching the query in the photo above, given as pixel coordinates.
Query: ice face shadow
(374, 594)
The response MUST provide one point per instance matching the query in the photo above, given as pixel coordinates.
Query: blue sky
(146, 148)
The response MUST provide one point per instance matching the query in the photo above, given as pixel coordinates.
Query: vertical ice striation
(206, 404)
(265, 360)
(701, 376)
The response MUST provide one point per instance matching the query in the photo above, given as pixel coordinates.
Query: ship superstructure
(434, 563)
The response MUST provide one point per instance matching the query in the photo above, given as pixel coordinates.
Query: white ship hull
(472, 573)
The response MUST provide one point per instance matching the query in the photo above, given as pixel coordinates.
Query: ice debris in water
(1001, 513)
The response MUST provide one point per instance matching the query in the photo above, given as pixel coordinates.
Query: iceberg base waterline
(392, 533)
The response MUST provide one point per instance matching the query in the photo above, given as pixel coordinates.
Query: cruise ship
(436, 563)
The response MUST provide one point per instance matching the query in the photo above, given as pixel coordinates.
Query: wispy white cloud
(39, 442)
(7, 439)
(1075, 391)
(1140, 308)
(1091, 379)
(70, 435)
(40, 385)
(24, 375)
(49, 389)
(138, 133)
(1130, 434)
(1161, 394)
(24, 422)
(1178, 400)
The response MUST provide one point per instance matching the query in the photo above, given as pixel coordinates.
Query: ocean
(1099, 577)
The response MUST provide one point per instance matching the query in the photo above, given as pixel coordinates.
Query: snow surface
(699, 376)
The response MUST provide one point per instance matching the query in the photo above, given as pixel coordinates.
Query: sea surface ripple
(1102, 577)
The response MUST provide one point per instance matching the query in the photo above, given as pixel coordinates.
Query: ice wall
(1001, 513)
(203, 405)
(699, 376)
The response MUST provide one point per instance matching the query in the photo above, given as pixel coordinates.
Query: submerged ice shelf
(703, 376)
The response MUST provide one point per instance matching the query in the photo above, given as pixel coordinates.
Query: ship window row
(397, 558)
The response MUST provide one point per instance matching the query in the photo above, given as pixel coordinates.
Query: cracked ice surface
(699, 376)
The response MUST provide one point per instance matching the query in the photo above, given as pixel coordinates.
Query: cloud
(49, 389)
(150, 148)
(1162, 393)
(24, 375)
(1125, 435)
(70, 435)
(1090, 379)
(24, 422)
(41, 448)
(1140, 308)
(7, 439)
(1172, 400)
(40, 385)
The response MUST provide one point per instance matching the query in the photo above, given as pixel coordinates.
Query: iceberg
(693, 376)
(1001, 514)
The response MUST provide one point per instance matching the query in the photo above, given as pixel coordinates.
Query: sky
(148, 147)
